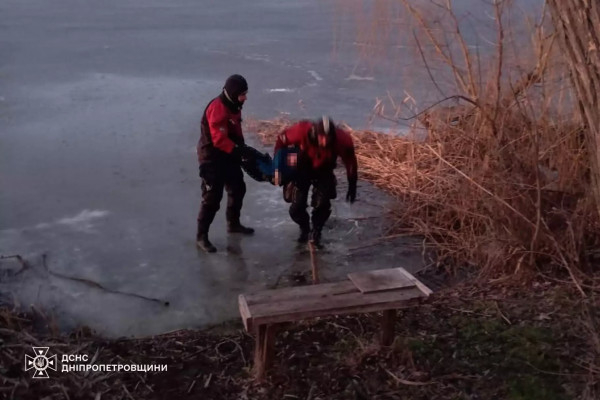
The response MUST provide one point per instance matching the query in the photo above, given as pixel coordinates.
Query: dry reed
(501, 179)
(473, 202)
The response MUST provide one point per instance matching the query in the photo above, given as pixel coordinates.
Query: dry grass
(475, 198)
(501, 179)
(512, 205)
(506, 343)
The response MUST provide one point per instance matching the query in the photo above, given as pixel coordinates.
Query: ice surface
(100, 104)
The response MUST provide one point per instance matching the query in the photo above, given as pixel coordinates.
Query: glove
(247, 152)
(240, 152)
(351, 194)
(236, 152)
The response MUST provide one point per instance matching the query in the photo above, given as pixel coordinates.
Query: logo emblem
(40, 362)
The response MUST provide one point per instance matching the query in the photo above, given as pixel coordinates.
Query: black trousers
(323, 191)
(216, 177)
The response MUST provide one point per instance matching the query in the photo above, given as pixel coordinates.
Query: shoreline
(491, 340)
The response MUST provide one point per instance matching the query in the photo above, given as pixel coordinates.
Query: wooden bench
(382, 290)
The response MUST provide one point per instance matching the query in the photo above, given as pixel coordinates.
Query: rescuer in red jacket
(319, 143)
(220, 150)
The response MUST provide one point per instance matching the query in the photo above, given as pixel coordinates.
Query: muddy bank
(475, 341)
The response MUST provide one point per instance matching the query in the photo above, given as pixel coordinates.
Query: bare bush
(501, 179)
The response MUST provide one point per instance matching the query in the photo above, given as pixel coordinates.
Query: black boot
(304, 232)
(315, 238)
(239, 228)
(203, 243)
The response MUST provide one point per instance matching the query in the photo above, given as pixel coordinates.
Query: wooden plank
(244, 310)
(300, 292)
(328, 313)
(332, 302)
(417, 282)
(388, 320)
(297, 309)
(379, 280)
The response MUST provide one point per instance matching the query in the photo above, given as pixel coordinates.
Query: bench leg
(387, 327)
(263, 350)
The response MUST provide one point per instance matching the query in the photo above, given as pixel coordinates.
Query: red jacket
(343, 146)
(221, 130)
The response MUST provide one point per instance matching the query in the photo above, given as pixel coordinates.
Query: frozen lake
(100, 104)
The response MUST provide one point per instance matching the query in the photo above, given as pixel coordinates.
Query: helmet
(322, 133)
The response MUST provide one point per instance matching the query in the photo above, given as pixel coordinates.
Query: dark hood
(234, 86)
